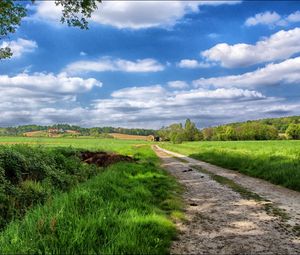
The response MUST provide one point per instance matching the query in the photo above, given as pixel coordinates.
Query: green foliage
(74, 13)
(95, 131)
(123, 210)
(177, 134)
(243, 131)
(274, 161)
(10, 18)
(29, 176)
(293, 131)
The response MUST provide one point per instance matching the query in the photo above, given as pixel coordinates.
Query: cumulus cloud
(265, 18)
(132, 14)
(192, 64)
(155, 106)
(150, 106)
(25, 98)
(272, 19)
(121, 65)
(294, 17)
(278, 46)
(286, 72)
(20, 46)
(178, 84)
(48, 82)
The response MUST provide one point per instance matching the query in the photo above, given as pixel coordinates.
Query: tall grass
(274, 161)
(125, 209)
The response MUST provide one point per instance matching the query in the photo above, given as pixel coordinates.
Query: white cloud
(82, 53)
(279, 46)
(286, 72)
(24, 96)
(148, 107)
(294, 17)
(265, 18)
(178, 84)
(20, 46)
(132, 14)
(121, 65)
(154, 106)
(192, 64)
(272, 19)
(48, 82)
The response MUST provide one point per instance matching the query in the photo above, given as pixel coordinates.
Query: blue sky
(149, 64)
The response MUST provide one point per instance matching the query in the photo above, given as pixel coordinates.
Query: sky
(148, 64)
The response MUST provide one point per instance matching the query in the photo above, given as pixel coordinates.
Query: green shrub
(30, 175)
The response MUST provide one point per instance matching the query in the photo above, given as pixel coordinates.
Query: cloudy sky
(149, 64)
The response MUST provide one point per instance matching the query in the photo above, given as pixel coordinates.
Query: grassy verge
(125, 209)
(30, 176)
(274, 161)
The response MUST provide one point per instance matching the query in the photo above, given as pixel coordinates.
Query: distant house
(154, 138)
(55, 131)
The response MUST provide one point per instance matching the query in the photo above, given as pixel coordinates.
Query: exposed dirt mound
(103, 159)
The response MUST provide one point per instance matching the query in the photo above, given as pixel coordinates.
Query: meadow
(73, 207)
(275, 161)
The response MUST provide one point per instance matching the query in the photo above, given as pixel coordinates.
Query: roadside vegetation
(274, 161)
(66, 206)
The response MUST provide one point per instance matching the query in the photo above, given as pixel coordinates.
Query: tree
(191, 132)
(10, 18)
(74, 13)
(177, 133)
(293, 131)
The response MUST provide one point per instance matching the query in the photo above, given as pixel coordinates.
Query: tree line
(94, 131)
(266, 129)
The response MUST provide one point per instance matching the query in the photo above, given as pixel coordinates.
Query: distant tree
(177, 133)
(191, 131)
(293, 131)
(208, 134)
(230, 133)
(74, 13)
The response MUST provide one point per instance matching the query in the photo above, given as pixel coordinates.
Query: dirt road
(220, 220)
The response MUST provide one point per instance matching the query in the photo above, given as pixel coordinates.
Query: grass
(126, 209)
(128, 147)
(275, 161)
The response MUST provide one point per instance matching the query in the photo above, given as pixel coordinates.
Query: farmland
(73, 207)
(274, 161)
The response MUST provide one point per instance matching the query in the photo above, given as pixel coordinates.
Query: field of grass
(126, 208)
(274, 161)
(127, 147)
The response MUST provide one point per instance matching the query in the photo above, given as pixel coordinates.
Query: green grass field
(126, 208)
(115, 145)
(274, 161)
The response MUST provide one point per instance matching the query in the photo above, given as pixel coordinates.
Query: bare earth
(220, 221)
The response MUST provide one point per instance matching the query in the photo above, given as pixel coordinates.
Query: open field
(130, 137)
(274, 161)
(124, 208)
(127, 147)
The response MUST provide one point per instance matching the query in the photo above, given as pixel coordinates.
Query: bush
(293, 131)
(30, 175)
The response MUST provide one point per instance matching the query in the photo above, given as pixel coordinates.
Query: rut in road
(220, 221)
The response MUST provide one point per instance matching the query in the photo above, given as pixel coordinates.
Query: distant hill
(70, 130)
(263, 129)
(281, 124)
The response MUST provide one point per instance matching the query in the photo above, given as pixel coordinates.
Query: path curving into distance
(220, 220)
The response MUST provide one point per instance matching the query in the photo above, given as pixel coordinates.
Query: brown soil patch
(103, 159)
(130, 137)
